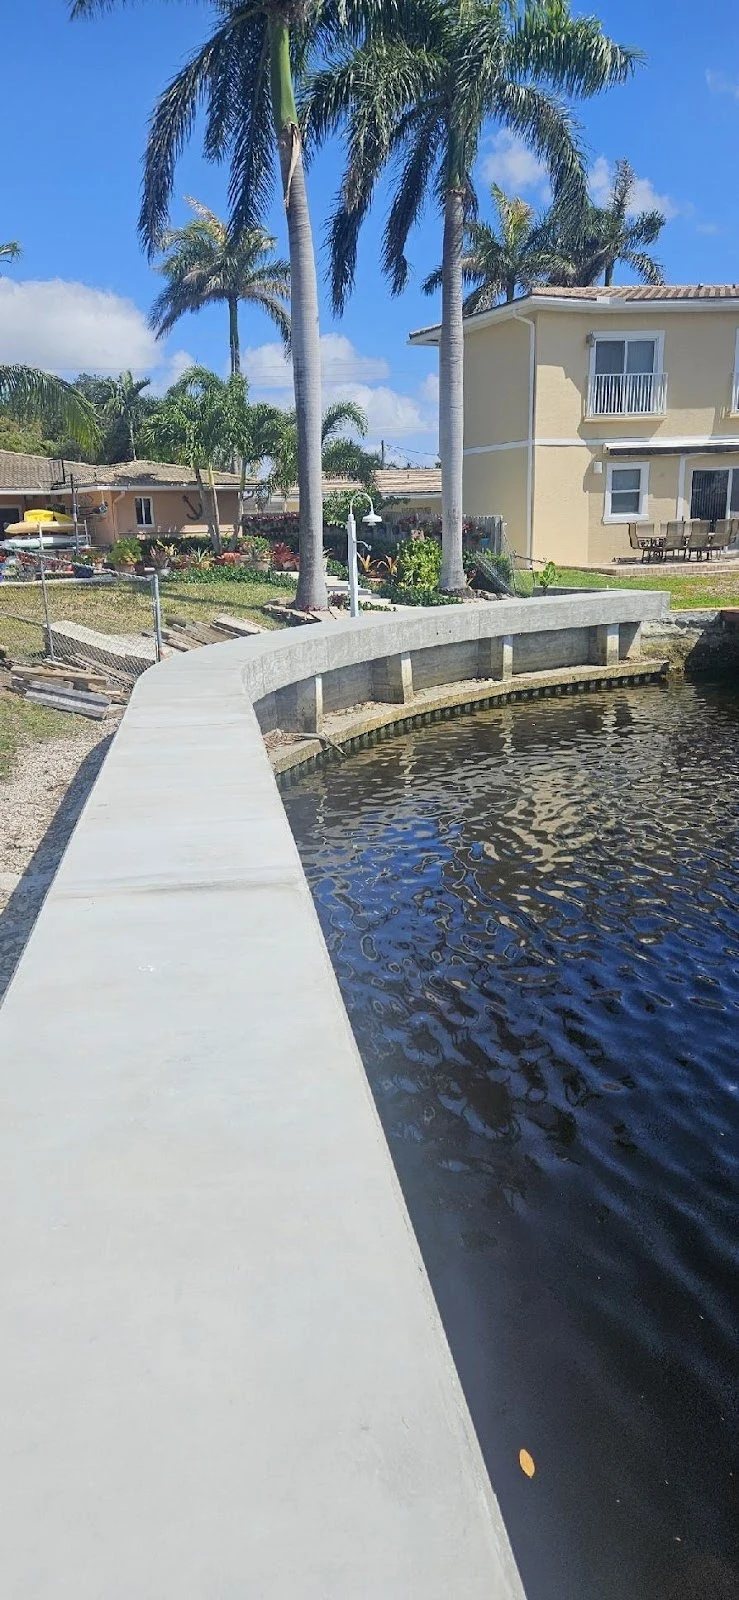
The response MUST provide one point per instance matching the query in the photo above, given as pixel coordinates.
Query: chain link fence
(107, 619)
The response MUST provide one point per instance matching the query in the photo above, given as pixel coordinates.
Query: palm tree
(593, 239)
(243, 77)
(517, 255)
(418, 92)
(285, 450)
(10, 251)
(204, 263)
(32, 396)
(195, 422)
(124, 404)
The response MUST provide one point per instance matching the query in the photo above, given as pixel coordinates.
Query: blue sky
(76, 101)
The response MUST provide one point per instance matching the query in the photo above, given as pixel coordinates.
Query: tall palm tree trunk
(132, 438)
(306, 350)
(233, 336)
(451, 393)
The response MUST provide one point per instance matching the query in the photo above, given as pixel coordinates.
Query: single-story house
(161, 497)
(113, 502)
(415, 488)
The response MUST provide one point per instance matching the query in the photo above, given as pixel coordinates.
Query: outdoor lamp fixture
(371, 521)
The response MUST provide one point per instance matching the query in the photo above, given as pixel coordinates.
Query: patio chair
(642, 537)
(676, 535)
(699, 539)
(721, 536)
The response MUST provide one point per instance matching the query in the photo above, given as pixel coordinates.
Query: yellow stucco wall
(698, 359)
(495, 485)
(496, 384)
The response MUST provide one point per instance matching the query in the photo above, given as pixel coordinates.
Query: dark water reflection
(534, 917)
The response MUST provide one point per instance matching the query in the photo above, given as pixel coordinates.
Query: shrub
(126, 553)
(416, 581)
(255, 547)
(283, 558)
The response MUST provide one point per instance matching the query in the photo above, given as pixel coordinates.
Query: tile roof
(143, 474)
(409, 480)
(641, 291)
(597, 294)
(392, 480)
(39, 474)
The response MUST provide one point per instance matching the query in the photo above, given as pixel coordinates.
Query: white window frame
(733, 472)
(627, 334)
(735, 378)
(144, 500)
(624, 517)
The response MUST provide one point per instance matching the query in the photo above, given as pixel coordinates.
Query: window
(8, 514)
(626, 493)
(625, 375)
(144, 511)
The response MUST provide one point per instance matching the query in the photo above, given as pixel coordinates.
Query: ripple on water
(534, 916)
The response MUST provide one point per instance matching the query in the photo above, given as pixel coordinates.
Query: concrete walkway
(223, 1373)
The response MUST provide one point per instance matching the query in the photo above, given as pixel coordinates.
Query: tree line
(411, 86)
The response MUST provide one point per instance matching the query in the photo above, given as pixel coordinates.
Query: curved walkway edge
(223, 1371)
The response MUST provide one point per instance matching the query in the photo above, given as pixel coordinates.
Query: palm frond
(570, 54)
(338, 415)
(33, 396)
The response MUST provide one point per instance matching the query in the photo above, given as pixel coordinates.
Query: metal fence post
(49, 640)
(157, 615)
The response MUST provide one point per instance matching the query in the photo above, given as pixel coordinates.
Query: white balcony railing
(627, 394)
(735, 394)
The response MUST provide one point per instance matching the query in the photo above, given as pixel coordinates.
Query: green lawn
(126, 608)
(690, 590)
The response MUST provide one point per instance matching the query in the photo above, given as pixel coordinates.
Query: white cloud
(348, 375)
(267, 366)
(170, 370)
(644, 196)
(510, 163)
(389, 413)
(721, 83)
(69, 327)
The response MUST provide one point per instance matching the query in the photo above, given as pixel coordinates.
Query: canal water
(533, 913)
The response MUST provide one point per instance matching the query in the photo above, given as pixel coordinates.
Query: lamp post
(371, 520)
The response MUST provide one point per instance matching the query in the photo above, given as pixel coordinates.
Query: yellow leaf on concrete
(526, 1463)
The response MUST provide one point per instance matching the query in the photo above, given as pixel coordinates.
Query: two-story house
(589, 409)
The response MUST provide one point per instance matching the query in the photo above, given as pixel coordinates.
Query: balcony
(627, 394)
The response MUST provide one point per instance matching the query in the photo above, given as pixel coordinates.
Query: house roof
(26, 474)
(596, 296)
(405, 482)
(641, 291)
(409, 480)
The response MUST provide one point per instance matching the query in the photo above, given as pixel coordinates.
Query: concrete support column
(607, 652)
(310, 704)
(392, 679)
(495, 657)
(630, 641)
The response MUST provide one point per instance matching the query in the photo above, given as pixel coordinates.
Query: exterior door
(709, 495)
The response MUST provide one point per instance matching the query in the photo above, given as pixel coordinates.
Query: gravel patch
(41, 802)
